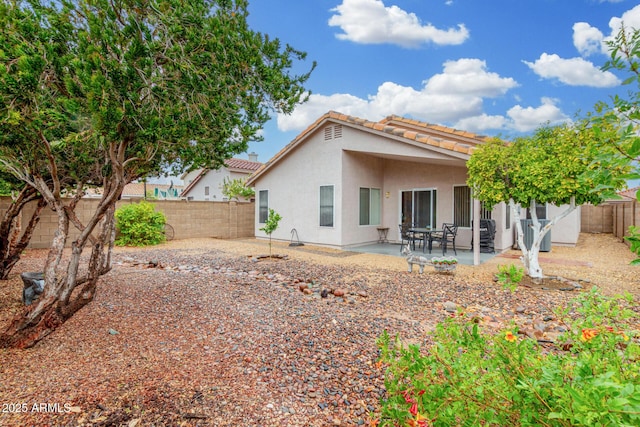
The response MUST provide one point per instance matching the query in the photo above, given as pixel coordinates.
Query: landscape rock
(450, 307)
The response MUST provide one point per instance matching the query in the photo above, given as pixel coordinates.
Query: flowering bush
(590, 376)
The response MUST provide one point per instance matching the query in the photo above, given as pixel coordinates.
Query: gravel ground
(202, 332)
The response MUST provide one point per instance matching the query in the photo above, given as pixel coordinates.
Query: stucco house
(344, 177)
(206, 184)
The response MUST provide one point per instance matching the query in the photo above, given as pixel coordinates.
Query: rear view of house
(344, 177)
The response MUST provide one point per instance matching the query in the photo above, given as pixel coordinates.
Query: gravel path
(200, 332)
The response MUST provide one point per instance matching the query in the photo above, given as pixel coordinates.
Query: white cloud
(587, 39)
(453, 95)
(482, 123)
(317, 105)
(371, 22)
(469, 77)
(631, 19)
(573, 71)
(529, 118)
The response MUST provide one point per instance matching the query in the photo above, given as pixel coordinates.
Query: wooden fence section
(190, 219)
(614, 217)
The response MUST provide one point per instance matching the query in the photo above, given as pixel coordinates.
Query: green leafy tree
(236, 188)
(117, 91)
(554, 166)
(624, 113)
(271, 225)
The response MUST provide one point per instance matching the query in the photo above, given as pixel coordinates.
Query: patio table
(426, 233)
(382, 234)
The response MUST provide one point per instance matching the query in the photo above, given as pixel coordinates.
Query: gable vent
(332, 132)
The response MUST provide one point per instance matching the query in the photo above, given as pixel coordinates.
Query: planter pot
(33, 286)
(445, 267)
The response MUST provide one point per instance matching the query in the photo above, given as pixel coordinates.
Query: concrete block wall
(614, 217)
(189, 219)
(596, 219)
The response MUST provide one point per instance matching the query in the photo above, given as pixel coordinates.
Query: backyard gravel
(203, 332)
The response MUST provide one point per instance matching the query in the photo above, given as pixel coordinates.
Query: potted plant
(445, 263)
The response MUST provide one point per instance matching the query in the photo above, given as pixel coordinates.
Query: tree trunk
(530, 257)
(65, 292)
(12, 243)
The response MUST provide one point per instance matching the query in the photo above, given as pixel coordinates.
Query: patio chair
(446, 236)
(407, 236)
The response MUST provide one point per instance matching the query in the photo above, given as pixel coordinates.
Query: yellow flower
(510, 337)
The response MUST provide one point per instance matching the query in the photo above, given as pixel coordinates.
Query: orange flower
(588, 334)
(510, 337)
(421, 421)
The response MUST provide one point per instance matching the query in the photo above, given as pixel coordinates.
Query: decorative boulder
(33, 286)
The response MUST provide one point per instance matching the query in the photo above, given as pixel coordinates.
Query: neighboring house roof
(629, 193)
(455, 142)
(233, 165)
(136, 189)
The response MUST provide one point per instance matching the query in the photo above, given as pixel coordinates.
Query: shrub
(510, 275)
(590, 377)
(634, 240)
(139, 225)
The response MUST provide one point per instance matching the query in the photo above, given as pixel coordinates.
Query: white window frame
(333, 206)
(260, 207)
(379, 213)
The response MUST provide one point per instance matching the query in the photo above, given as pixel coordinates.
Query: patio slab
(464, 256)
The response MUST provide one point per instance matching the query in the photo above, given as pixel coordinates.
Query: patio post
(476, 231)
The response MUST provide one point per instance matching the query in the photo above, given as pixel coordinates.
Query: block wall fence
(190, 219)
(614, 217)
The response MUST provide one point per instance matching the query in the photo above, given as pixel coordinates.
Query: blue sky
(495, 67)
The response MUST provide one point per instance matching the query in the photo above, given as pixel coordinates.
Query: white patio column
(476, 232)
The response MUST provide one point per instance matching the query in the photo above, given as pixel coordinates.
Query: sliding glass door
(418, 208)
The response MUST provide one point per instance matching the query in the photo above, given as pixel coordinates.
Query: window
(507, 219)
(206, 190)
(326, 206)
(263, 206)
(418, 208)
(369, 206)
(485, 212)
(462, 206)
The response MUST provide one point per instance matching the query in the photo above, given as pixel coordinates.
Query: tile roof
(240, 164)
(136, 189)
(431, 135)
(133, 189)
(629, 193)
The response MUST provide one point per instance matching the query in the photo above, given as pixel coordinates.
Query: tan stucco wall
(224, 220)
(294, 191)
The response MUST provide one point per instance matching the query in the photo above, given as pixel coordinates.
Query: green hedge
(139, 225)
